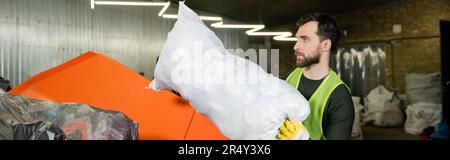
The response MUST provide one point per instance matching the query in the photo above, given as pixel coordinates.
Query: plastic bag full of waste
(237, 95)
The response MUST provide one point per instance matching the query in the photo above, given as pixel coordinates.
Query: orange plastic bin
(99, 81)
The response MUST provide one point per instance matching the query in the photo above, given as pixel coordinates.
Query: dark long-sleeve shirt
(337, 121)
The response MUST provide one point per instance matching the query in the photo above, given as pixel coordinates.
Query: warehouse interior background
(383, 42)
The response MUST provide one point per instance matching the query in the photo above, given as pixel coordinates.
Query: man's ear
(326, 45)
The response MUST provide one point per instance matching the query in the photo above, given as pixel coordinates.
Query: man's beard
(308, 61)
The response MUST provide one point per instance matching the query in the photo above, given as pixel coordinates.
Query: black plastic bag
(4, 84)
(31, 118)
(32, 131)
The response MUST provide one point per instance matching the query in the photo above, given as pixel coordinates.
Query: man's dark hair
(327, 29)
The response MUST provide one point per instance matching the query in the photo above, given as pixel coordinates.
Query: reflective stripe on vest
(318, 100)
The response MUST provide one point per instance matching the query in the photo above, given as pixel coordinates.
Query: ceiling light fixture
(279, 36)
(205, 18)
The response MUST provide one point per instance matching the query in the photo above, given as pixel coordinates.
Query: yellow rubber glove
(289, 130)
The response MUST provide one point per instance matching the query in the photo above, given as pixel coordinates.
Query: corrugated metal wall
(36, 35)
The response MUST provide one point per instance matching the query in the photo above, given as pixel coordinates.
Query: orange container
(99, 81)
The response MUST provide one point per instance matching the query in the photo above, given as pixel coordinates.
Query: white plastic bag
(383, 108)
(424, 88)
(422, 115)
(194, 62)
(356, 130)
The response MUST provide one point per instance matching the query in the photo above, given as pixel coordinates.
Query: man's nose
(297, 46)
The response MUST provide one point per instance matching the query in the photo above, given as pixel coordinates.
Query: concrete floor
(377, 133)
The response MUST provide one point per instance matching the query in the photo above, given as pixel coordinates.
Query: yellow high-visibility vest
(318, 100)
